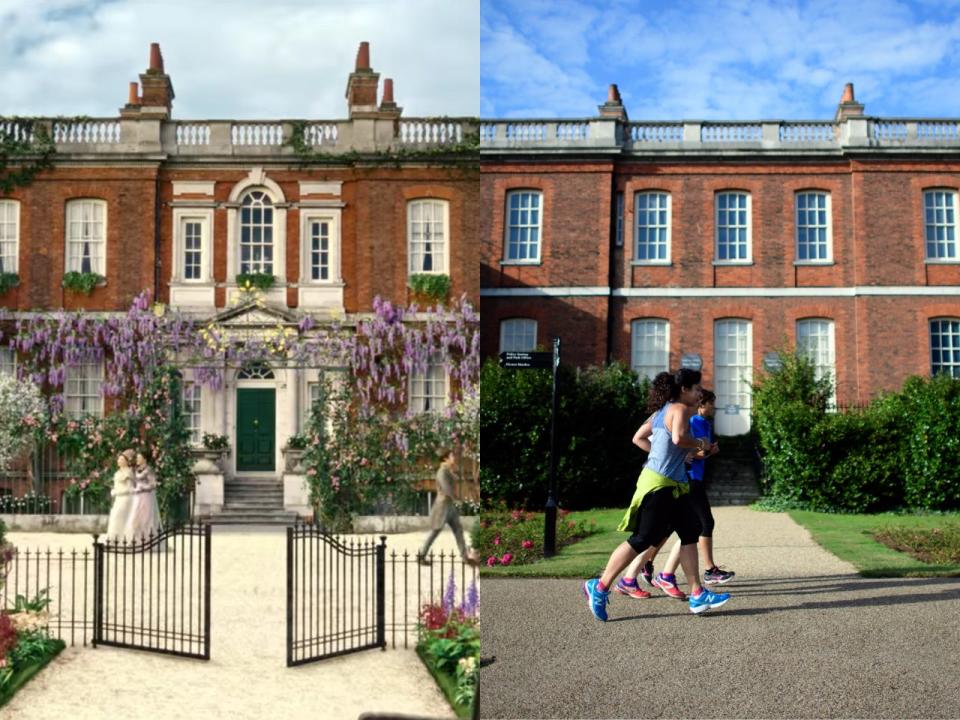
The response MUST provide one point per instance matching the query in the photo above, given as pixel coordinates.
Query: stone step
(257, 506)
(252, 519)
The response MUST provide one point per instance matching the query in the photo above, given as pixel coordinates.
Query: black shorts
(661, 514)
(701, 507)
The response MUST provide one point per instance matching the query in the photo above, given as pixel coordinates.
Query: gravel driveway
(246, 676)
(803, 636)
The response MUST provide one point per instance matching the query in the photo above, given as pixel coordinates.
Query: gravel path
(803, 636)
(246, 676)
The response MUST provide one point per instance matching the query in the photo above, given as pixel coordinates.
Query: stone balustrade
(708, 137)
(127, 136)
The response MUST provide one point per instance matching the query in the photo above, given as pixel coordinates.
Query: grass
(854, 538)
(582, 559)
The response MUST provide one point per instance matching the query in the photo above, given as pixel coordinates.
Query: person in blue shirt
(700, 427)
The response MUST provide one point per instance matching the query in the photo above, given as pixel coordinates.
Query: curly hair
(663, 389)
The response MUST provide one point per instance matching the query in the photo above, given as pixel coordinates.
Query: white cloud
(237, 58)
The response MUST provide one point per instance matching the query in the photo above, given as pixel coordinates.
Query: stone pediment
(250, 315)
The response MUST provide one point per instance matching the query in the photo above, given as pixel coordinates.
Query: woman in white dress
(144, 510)
(122, 494)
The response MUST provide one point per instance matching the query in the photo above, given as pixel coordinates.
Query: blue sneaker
(707, 600)
(596, 599)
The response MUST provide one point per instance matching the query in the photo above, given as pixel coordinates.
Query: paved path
(246, 676)
(803, 636)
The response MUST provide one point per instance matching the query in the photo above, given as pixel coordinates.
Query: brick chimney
(132, 108)
(613, 107)
(387, 105)
(156, 99)
(848, 106)
(362, 85)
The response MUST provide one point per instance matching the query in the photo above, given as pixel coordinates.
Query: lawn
(851, 538)
(582, 559)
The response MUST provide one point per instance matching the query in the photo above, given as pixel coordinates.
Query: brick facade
(879, 289)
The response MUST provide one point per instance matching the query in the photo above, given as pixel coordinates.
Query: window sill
(521, 262)
(651, 263)
(942, 261)
(732, 263)
(813, 263)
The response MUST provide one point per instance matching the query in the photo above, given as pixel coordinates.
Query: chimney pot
(387, 91)
(847, 94)
(363, 56)
(613, 94)
(156, 59)
(133, 97)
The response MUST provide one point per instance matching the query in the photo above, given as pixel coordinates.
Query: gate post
(97, 590)
(206, 591)
(289, 595)
(381, 593)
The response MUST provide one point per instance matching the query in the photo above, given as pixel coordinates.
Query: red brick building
(657, 243)
(338, 211)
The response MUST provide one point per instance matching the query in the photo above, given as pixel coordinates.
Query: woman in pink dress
(144, 516)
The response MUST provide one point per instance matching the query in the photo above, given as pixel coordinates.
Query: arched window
(945, 346)
(814, 231)
(733, 227)
(256, 233)
(815, 341)
(523, 225)
(257, 371)
(650, 347)
(940, 224)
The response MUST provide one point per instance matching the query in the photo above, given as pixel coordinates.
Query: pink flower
(505, 560)
(571, 524)
(311, 472)
(496, 540)
(527, 544)
(516, 514)
(491, 561)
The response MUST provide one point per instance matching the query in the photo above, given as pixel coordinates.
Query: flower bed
(449, 646)
(515, 537)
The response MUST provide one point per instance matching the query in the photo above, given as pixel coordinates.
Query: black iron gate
(335, 595)
(154, 594)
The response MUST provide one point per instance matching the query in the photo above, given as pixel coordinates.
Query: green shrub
(899, 452)
(7, 281)
(599, 410)
(82, 282)
(430, 285)
(261, 281)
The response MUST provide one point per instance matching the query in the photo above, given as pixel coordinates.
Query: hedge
(900, 452)
(599, 410)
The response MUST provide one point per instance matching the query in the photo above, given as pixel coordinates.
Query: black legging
(701, 506)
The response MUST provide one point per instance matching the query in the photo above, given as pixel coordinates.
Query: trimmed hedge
(900, 452)
(599, 410)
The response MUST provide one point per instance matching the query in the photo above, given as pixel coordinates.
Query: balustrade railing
(655, 132)
(731, 132)
(257, 134)
(430, 132)
(193, 134)
(807, 132)
(96, 132)
(321, 134)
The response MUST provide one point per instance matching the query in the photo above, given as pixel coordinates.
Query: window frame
(69, 243)
(8, 353)
(67, 397)
(637, 260)
(415, 377)
(504, 326)
(748, 260)
(444, 204)
(182, 216)
(196, 389)
(955, 346)
(828, 207)
(307, 218)
(634, 351)
(952, 192)
(274, 235)
(749, 363)
(15, 205)
(514, 192)
(831, 350)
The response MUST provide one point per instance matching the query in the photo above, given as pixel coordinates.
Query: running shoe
(718, 576)
(633, 591)
(707, 600)
(668, 583)
(596, 599)
(647, 573)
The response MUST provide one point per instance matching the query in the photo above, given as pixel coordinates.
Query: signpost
(541, 361)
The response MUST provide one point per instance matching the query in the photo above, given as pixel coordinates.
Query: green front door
(256, 429)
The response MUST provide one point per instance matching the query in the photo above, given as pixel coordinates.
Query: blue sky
(237, 59)
(727, 59)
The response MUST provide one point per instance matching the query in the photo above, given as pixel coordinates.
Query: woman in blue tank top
(656, 510)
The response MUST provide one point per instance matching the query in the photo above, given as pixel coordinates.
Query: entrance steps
(253, 500)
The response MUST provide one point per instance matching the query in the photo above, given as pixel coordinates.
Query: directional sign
(526, 359)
